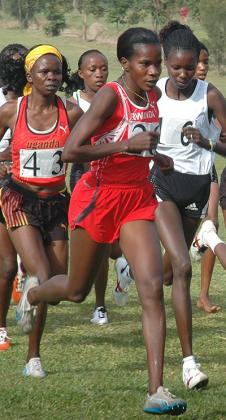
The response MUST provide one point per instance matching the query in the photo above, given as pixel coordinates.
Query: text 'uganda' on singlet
(127, 120)
(37, 155)
(174, 115)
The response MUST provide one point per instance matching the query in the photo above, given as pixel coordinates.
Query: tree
(213, 18)
(132, 12)
(55, 13)
(24, 10)
(161, 11)
(86, 8)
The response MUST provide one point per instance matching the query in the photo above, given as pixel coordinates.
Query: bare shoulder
(214, 94)
(8, 114)
(158, 92)
(104, 102)
(74, 112)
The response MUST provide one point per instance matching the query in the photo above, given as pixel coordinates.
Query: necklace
(135, 93)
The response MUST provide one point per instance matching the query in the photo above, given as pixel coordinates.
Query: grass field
(99, 373)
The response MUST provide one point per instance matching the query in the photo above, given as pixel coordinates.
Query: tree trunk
(85, 25)
(20, 12)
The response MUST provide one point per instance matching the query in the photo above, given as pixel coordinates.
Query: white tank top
(4, 142)
(82, 103)
(174, 115)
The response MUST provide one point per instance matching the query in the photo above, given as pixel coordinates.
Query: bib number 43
(41, 163)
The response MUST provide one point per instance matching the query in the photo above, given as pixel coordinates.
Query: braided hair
(175, 36)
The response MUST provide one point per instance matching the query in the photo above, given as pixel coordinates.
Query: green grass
(99, 373)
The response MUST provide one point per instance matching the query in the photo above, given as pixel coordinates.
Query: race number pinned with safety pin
(139, 127)
(41, 163)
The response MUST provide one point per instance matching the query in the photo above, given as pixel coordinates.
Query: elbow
(68, 156)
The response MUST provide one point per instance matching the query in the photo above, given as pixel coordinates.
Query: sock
(189, 362)
(212, 240)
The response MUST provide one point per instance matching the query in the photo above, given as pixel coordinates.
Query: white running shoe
(199, 245)
(163, 402)
(194, 378)
(34, 368)
(25, 312)
(120, 290)
(100, 316)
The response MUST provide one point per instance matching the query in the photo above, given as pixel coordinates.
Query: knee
(77, 296)
(151, 290)
(182, 269)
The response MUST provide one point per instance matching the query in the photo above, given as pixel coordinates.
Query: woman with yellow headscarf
(34, 201)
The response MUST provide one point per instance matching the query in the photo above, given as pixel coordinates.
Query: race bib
(138, 127)
(41, 163)
(171, 132)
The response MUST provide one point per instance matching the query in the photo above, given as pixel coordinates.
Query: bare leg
(140, 244)
(167, 270)
(101, 283)
(8, 270)
(207, 265)
(85, 258)
(28, 242)
(208, 259)
(171, 229)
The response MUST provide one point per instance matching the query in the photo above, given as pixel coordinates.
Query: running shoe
(163, 402)
(25, 312)
(34, 368)
(194, 378)
(120, 291)
(100, 316)
(199, 245)
(5, 341)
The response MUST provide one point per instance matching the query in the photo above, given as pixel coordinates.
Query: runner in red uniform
(115, 200)
(13, 82)
(34, 200)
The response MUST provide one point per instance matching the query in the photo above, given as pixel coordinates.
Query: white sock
(189, 362)
(212, 240)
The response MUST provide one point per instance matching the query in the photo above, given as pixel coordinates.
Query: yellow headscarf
(33, 56)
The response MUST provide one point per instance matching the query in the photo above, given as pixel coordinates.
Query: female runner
(115, 200)
(34, 200)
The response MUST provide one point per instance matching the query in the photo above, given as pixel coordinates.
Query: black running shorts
(189, 192)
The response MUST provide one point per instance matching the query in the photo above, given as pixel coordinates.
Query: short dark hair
(76, 82)
(127, 40)
(203, 47)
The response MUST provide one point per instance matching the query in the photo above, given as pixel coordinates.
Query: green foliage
(213, 18)
(24, 10)
(56, 22)
(90, 7)
(131, 12)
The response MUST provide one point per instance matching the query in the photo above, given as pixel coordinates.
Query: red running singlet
(128, 119)
(37, 156)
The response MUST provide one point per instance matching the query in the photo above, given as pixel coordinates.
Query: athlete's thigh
(57, 253)
(170, 228)
(85, 259)
(29, 245)
(139, 241)
(8, 257)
